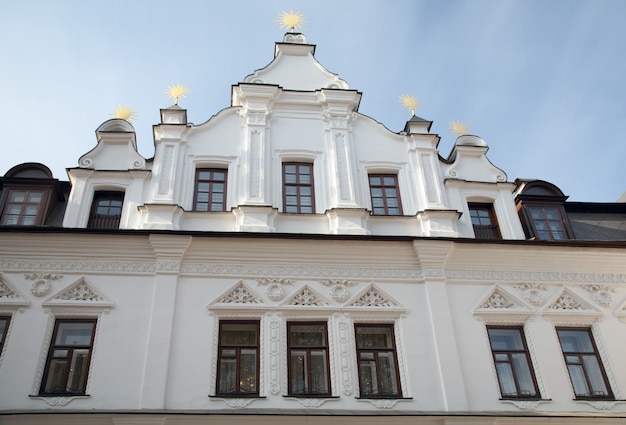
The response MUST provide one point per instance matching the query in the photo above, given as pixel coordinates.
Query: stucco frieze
(235, 403)
(530, 276)
(601, 294)
(59, 401)
(78, 266)
(338, 288)
(41, 285)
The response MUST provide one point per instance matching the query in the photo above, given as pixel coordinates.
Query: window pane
(319, 383)
(388, 380)
(14, 209)
(31, 209)
(307, 335)
(305, 179)
(304, 169)
(524, 377)
(505, 339)
(552, 214)
(578, 380)
(367, 378)
(298, 371)
(228, 376)
(219, 176)
(203, 187)
(374, 337)
(375, 181)
(239, 334)
(204, 175)
(56, 376)
(202, 207)
(305, 201)
(290, 169)
(218, 187)
(305, 191)
(78, 371)
(377, 192)
(575, 341)
(389, 181)
(247, 378)
(291, 190)
(74, 333)
(390, 193)
(17, 196)
(596, 380)
(505, 377)
(35, 197)
(306, 210)
(290, 178)
(28, 220)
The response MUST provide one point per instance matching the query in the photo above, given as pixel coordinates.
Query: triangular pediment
(499, 304)
(373, 296)
(81, 293)
(240, 294)
(307, 297)
(10, 295)
(566, 306)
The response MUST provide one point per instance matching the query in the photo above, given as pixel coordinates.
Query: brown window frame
(55, 352)
(42, 206)
(481, 230)
(308, 390)
(561, 220)
(237, 348)
(5, 330)
(298, 186)
(384, 186)
(106, 221)
(568, 357)
(211, 181)
(506, 357)
(375, 352)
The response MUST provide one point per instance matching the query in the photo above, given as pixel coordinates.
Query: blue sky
(542, 81)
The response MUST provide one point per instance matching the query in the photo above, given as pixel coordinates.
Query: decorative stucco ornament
(290, 21)
(124, 112)
(177, 91)
(41, 285)
(458, 128)
(274, 290)
(410, 102)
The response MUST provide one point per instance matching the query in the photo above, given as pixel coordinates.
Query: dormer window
(540, 207)
(106, 210)
(484, 221)
(23, 207)
(385, 194)
(298, 191)
(210, 192)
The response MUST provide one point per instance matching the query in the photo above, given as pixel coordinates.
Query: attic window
(484, 221)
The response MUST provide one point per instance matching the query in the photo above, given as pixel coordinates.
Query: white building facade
(293, 260)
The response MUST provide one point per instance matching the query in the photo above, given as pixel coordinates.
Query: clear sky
(542, 81)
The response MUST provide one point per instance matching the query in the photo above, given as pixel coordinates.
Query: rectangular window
(385, 194)
(548, 223)
(513, 366)
(298, 191)
(484, 221)
(67, 364)
(210, 193)
(4, 329)
(23, 207)
(583, 363)
(238, 359)
(106, 210)
(308, 359)
(377, 361)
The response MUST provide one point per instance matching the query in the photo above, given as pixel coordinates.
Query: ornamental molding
(383, 403)
(307, 297)
(525, 404)
(345, 333)
(235, 403)
(569, 308)
(338, 289)
(239, 294)
(500, 304)
(79, 294)
(373, 296)
(601, 404)
(10, 296)
(59, 401)
(274, 287)
(533, 292)
(601, 294)
(303, 272)
(78, 266)
(529, 276)
(41, 285)
(311, 402)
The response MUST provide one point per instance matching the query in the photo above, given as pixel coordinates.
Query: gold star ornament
(124, 112)
(176, 92)
(458, 128)
(290, 21)
(410, 103)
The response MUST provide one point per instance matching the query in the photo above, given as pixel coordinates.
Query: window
(385, 194)
(378, 365)
(548, 222)
(68, 359)
(513, 366)
(583, 363)
(106, 210)
(484, 221)
(210, 192)
(298, 195)
(308, 359)
(24, 207)
(238, 359)
(4, 328)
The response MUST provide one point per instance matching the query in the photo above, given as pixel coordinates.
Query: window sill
(236, 396)
(58, 399)
(383, 397)
(310, 396)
